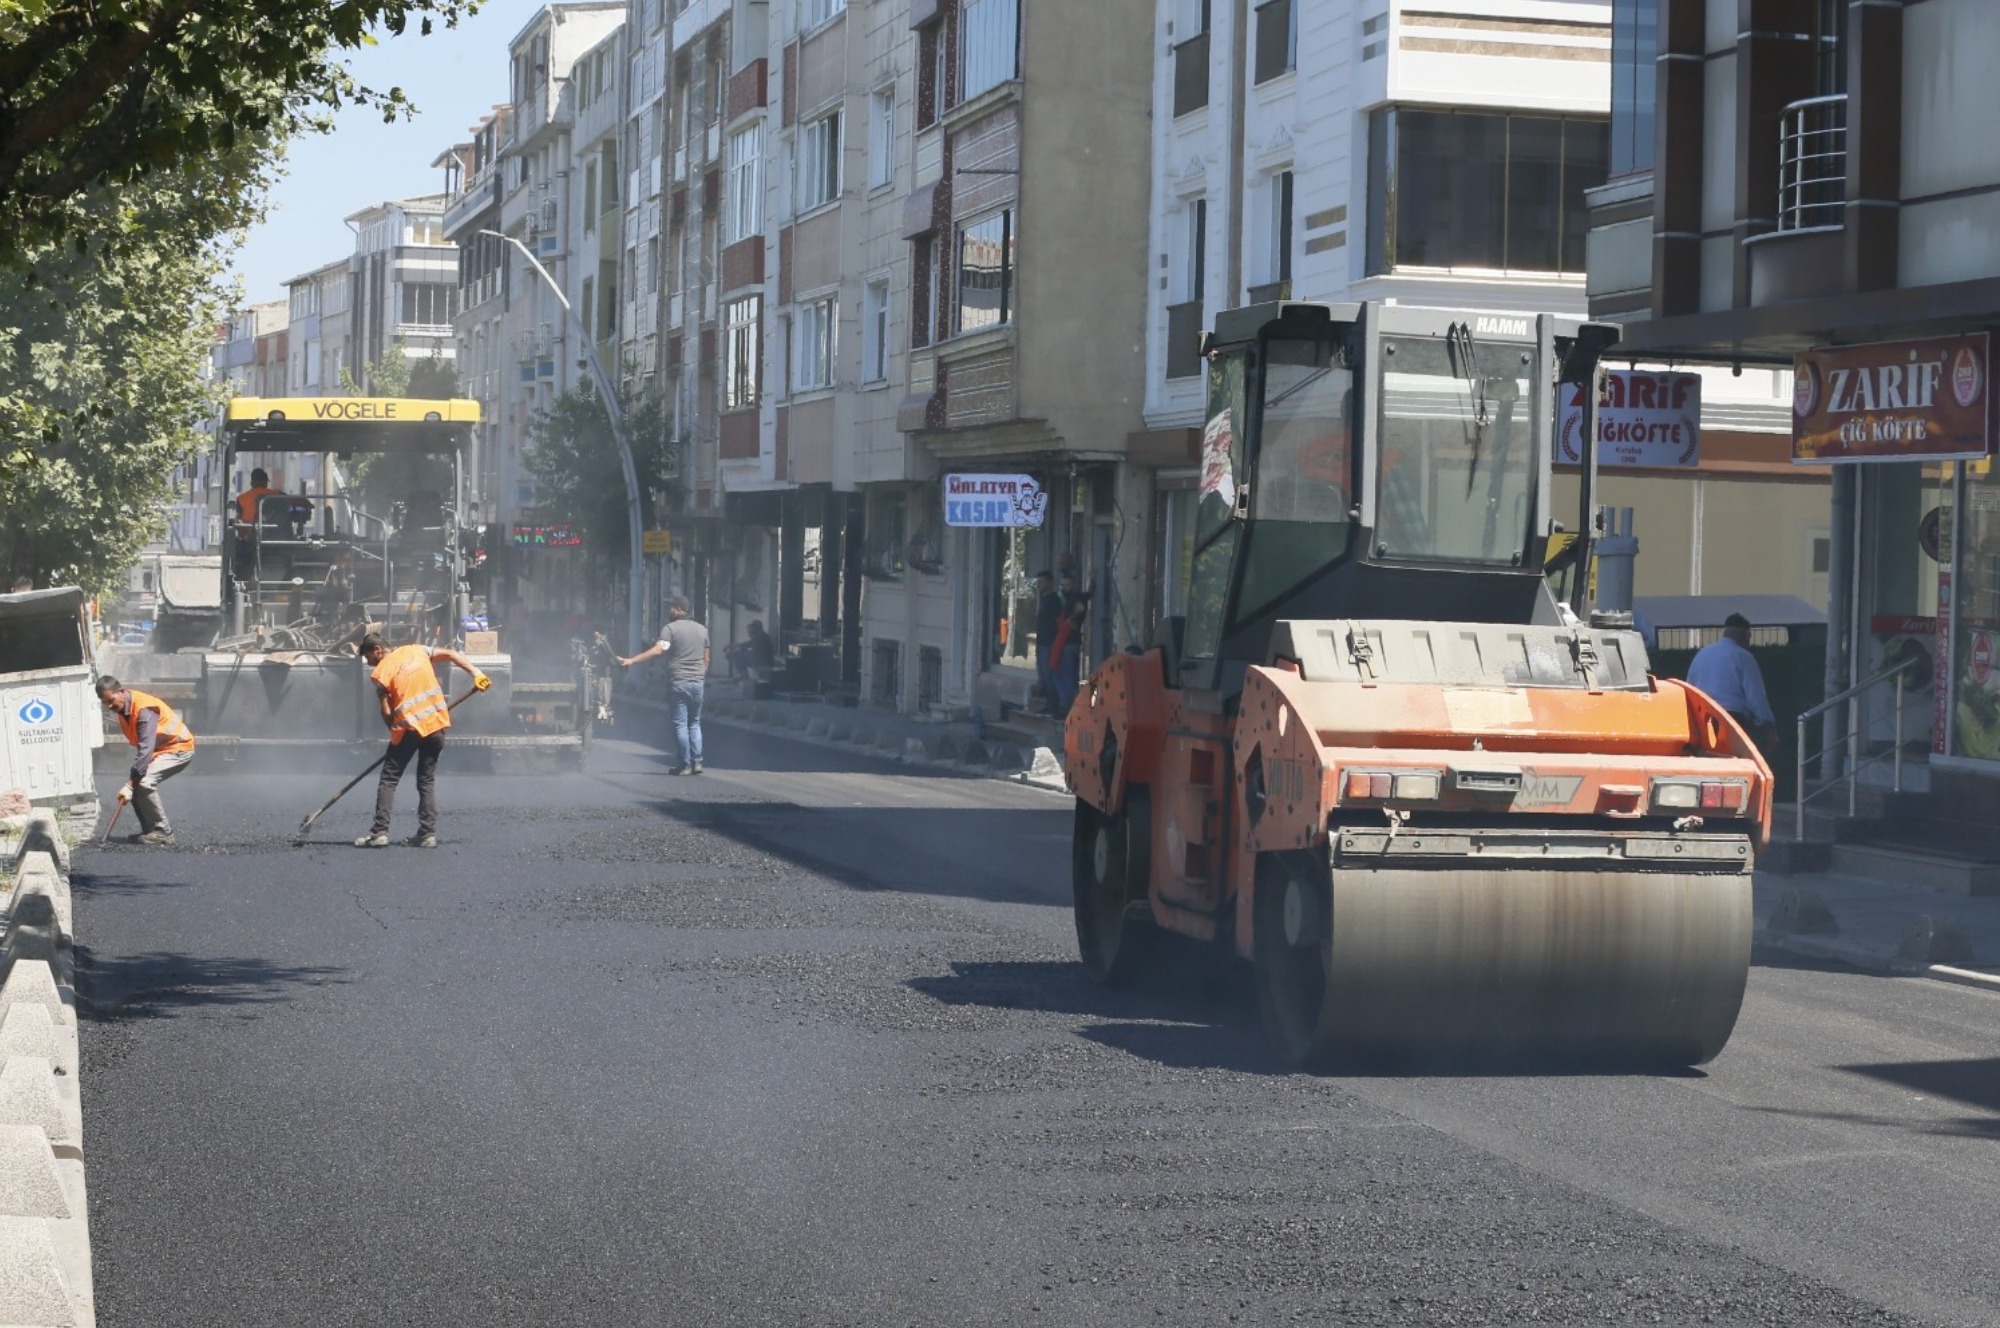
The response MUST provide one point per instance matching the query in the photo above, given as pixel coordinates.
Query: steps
(1899, 864)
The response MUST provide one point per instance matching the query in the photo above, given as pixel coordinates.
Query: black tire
(1293, 949)
(1109, 873)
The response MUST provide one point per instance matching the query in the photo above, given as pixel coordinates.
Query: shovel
(115, 811)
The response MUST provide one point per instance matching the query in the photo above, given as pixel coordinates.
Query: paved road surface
(804, 1042)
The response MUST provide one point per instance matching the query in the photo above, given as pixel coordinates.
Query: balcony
(1191, 75)
(1812, 163)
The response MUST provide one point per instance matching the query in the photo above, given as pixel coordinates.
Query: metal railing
(1812, 163)
(1851, 776)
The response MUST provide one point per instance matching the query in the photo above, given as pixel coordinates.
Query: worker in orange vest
(415, 709)
(165, 747)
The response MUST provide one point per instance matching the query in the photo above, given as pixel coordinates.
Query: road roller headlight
(1706, 795)
(1388, 785)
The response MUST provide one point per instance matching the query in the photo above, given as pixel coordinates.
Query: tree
(98, 94)
(581, 479)
(103, 340)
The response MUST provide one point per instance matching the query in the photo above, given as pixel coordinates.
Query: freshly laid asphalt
(803, 1041)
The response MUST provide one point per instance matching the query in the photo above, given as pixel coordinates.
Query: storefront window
(1975, 620)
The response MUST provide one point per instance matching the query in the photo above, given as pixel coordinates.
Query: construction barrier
(45, 1279)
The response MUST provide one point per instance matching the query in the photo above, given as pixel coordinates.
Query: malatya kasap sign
(1006, 501)
(1895, 401)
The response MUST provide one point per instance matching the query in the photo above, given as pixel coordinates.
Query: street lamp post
(636, 575)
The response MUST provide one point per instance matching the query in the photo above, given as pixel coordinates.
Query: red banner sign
(1896, 401)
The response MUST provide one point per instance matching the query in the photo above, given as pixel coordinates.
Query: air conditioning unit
(532, 224)
(548, 214)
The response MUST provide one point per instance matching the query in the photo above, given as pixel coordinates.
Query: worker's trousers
(426, 750)
(146, 793)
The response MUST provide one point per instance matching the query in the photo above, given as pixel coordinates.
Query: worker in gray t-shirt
(685, 644)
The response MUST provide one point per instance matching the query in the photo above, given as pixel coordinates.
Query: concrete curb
(1037, 767)
(45, 1276)
(1872, 960)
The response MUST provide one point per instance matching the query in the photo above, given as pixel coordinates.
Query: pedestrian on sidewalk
(165, 746)
(1048, 620)
(417, 713)
(685, 644)
(1727, 673)
(1066, 652)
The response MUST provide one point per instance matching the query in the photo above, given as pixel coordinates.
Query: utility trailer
(1378, 757)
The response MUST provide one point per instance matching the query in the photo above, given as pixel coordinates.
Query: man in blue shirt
(1728, 673)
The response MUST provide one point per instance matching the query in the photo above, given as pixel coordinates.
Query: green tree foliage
(579, 475)
(102, 392)
(100, 94)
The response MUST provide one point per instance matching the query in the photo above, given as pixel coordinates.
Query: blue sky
(453, 76)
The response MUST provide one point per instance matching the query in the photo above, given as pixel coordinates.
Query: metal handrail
(1812, 163)
(1855, 765)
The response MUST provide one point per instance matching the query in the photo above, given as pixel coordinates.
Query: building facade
(1810, 190)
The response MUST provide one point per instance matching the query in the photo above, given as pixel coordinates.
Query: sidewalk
(1873, 925)
(968, 747)
(1881, 927)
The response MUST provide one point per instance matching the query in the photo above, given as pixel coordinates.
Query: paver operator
(417, 713)
(164, 745)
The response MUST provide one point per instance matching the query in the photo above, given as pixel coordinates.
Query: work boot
(423, 839)
(376, 840)
(695, 769)
(678, 770)
(157, 838)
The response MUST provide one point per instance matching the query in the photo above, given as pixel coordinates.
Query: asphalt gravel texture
(804, 1041)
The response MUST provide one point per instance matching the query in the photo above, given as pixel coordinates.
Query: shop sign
(1644, 418)
(547, 537)
(1006, 501)
(656, 541)
(1896, 401)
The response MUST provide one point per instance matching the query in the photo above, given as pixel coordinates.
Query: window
(1191, 25)
(1184, 316)
(1281, 227)
(816, 330)
(743, 213)
(882, 137)
(927, 269)
(1277, 39)
(1635, 45)
(819, 162)
(1449, 189)
(986, 273)
(742, 379)
(1304, 478)
(427, 305)
(812, 13)
(990, 39)
(930, 75)
(590, 198)
(875, 330)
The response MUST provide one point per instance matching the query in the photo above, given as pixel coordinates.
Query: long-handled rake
(373, 766)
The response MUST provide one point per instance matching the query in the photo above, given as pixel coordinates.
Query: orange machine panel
(1113, 732)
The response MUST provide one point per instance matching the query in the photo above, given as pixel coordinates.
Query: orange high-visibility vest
(246, 503)
(171, 736)
(416, 699)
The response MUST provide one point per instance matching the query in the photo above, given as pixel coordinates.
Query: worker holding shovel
(414, 708)
(164, 746)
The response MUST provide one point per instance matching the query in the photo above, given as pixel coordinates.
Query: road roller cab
(1379, 758)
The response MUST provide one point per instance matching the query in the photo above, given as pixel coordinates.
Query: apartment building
(401, 282)
(893, 259)
(471, 221)
(1813, 190)
(318, 331)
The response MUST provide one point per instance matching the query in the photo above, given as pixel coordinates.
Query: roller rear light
(1391, 785)
(1700, 795)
